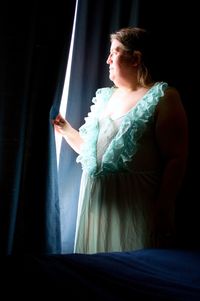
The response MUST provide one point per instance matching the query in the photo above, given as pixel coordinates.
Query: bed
(148, 274)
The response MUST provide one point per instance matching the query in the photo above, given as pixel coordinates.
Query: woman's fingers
(59, 120)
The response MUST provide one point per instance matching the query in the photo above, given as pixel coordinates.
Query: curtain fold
(35, 43)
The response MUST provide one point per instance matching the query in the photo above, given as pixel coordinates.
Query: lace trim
(90, 129)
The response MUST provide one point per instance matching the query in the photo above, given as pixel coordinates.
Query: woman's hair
(136, 39)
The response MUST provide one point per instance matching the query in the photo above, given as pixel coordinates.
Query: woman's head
(135, 41)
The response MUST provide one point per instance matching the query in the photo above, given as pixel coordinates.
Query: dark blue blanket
(149, 274)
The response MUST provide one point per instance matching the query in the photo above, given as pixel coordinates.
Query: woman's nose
(108, 59)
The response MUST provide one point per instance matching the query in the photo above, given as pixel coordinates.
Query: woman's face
(119, 61)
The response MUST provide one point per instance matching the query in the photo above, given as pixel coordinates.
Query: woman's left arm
(172, 138)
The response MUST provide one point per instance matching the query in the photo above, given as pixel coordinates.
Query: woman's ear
(137, 56)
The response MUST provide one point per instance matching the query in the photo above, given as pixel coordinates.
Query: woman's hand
(61, 125)
(72, 136)
(164, 233)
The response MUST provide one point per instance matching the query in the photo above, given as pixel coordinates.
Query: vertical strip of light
(64, 99)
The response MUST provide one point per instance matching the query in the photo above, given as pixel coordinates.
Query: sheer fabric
(121, 175)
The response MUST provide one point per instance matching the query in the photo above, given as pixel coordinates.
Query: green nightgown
(121, 176)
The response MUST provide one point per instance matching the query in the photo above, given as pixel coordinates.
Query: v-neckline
(132, 108)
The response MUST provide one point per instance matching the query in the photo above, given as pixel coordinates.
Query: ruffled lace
(90, 129)
(125, 144)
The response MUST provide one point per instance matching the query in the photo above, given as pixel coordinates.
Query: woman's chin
(111, 77)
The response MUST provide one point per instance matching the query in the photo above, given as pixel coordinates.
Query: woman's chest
(120, 105)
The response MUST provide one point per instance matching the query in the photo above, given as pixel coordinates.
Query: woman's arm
(172, 138)
(72, 136)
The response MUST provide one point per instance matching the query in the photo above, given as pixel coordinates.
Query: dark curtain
(35, 37)
(95, 21)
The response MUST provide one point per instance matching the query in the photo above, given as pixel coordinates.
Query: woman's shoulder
(172, 91)
(170, 103)
(103, 93)
(99, 100)
(171, 96)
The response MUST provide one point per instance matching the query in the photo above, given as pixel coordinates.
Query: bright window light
(63, 104)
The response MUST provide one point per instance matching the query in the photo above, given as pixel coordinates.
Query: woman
(133, 151)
